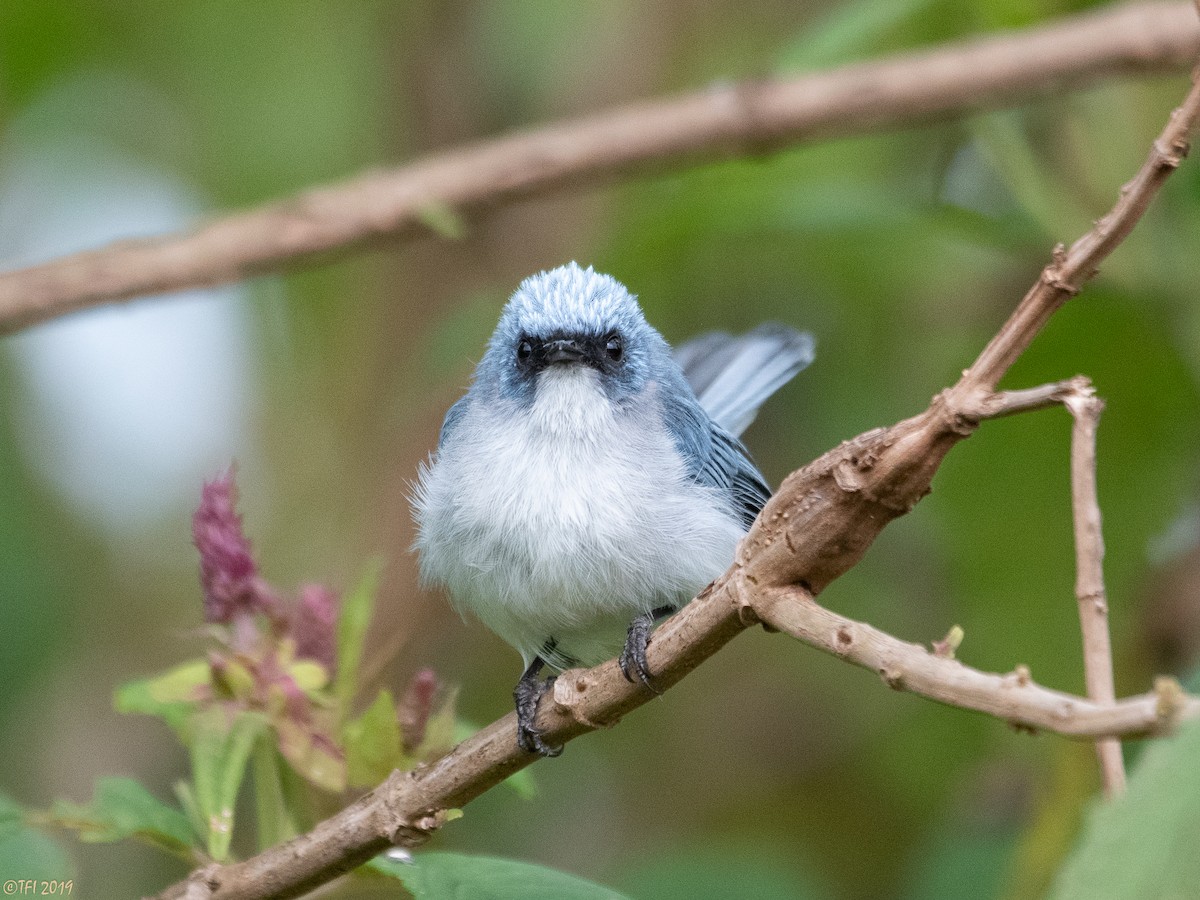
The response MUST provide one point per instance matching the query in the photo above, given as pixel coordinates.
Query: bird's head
(575, 323)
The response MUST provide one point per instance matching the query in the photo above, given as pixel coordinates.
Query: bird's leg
(633, 656)
(527, 694)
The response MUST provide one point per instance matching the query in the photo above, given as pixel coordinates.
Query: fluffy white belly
(563, 521)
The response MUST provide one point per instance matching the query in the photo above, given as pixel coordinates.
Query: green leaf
(522, 784)
(220, 751)
(309, 676)
(171, 696)
(121, 808)
(372, 743)
(187, 801)
(442, 220)
(27, 853)
(312, 753)
(975, 853)
(276, 820)
(738, 869)
(438, 875)
(352, 624)
(848, 31)
(1143, 846)
(12, 817)
(235, 679)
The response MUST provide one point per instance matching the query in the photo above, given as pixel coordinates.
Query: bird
(591, 481)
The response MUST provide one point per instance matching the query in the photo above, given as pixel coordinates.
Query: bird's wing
(716, 458)
(747, 488)
(733, 376)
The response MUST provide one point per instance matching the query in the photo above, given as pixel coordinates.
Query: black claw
(633, 657)
(527, 694)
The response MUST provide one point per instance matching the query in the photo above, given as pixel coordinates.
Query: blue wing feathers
(725, 380)
(714, 457)
(733, 376)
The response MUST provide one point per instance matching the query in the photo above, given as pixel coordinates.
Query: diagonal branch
(720, 122)
(815, 528)
(1066, 274)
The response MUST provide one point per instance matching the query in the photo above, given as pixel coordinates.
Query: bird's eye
(524, 351)
(614, 349)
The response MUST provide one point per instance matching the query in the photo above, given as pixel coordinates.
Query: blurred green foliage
(431, 876)
(901, 251)
(1144, 845)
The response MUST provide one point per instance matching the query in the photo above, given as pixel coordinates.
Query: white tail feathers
(733, 376)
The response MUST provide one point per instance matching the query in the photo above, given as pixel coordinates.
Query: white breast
(565, 520)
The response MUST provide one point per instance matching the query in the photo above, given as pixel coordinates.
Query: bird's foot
(633, 657)
(527, 694)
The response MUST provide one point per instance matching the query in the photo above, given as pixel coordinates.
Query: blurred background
(773, 771)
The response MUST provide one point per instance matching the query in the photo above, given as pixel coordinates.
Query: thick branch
(721, 122)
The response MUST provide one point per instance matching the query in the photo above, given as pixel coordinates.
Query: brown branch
(1085, 408)
(725, 121)
(1013, 697)
(1008, 403)
(814, 529)
(1063, 277)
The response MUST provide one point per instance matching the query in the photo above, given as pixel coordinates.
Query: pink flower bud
(415, 708)
(228, 572)
(314, 625)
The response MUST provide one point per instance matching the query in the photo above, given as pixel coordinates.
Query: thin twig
(1013, 697)
(1008, 403)
(1066, 274)
(733, 120)
(1085, 408)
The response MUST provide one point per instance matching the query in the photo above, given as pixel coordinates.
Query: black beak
(563, 350)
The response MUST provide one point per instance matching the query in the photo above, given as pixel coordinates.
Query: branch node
(744, 608)
(892, 677)
(843, 640)
(947, 646)
(961, 415)
(1053, 278)
(569, 695)
(1019, 677)
(1170, 700)
(1081, 386)
(747, 614)
(1171, 155)
(1096, 600)
(752, 135)
(203, 882)
(415, 830)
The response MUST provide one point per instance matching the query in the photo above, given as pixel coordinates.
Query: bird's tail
(733, 376)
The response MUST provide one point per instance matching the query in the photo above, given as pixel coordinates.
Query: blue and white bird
(590, 481)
